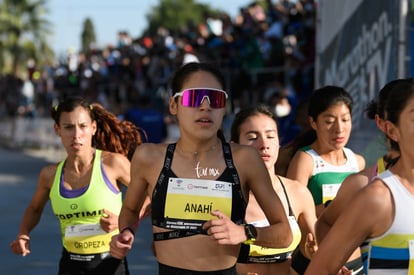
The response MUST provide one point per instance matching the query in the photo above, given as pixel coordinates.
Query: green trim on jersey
(315, 183)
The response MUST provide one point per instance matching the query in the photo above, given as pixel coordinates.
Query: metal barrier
(28, 132)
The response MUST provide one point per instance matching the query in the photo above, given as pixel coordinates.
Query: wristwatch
(251, 233)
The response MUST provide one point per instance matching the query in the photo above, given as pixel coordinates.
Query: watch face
(251, 232)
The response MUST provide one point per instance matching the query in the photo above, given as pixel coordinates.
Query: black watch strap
(251, 233)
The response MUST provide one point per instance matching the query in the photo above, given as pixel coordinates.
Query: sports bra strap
(287, 198)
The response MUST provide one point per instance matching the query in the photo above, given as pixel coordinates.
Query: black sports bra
(159, 197)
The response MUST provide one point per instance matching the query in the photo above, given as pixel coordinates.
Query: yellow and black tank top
(79, 211)
(183, 205)
(263, 255)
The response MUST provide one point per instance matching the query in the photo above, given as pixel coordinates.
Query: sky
(109, 17)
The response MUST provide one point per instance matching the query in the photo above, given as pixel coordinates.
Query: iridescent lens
(195, 97)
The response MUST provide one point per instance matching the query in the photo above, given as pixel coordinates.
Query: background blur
(119, 53)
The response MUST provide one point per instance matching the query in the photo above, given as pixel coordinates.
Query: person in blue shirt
(144, 115)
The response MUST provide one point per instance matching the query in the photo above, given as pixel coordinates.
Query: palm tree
(24, 30)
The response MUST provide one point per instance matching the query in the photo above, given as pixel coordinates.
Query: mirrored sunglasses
(194, 97)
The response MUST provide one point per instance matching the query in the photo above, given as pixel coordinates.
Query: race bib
(329, 192)
(86, 239)
(190, 201)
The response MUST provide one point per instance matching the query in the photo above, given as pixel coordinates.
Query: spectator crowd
(266, 54)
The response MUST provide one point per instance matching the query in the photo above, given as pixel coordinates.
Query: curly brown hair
(112, 134)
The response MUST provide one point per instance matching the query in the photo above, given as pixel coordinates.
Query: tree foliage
(88, 36)
(177, 14)
(24, 30)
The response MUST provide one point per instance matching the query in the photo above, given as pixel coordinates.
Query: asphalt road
(18, 179)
